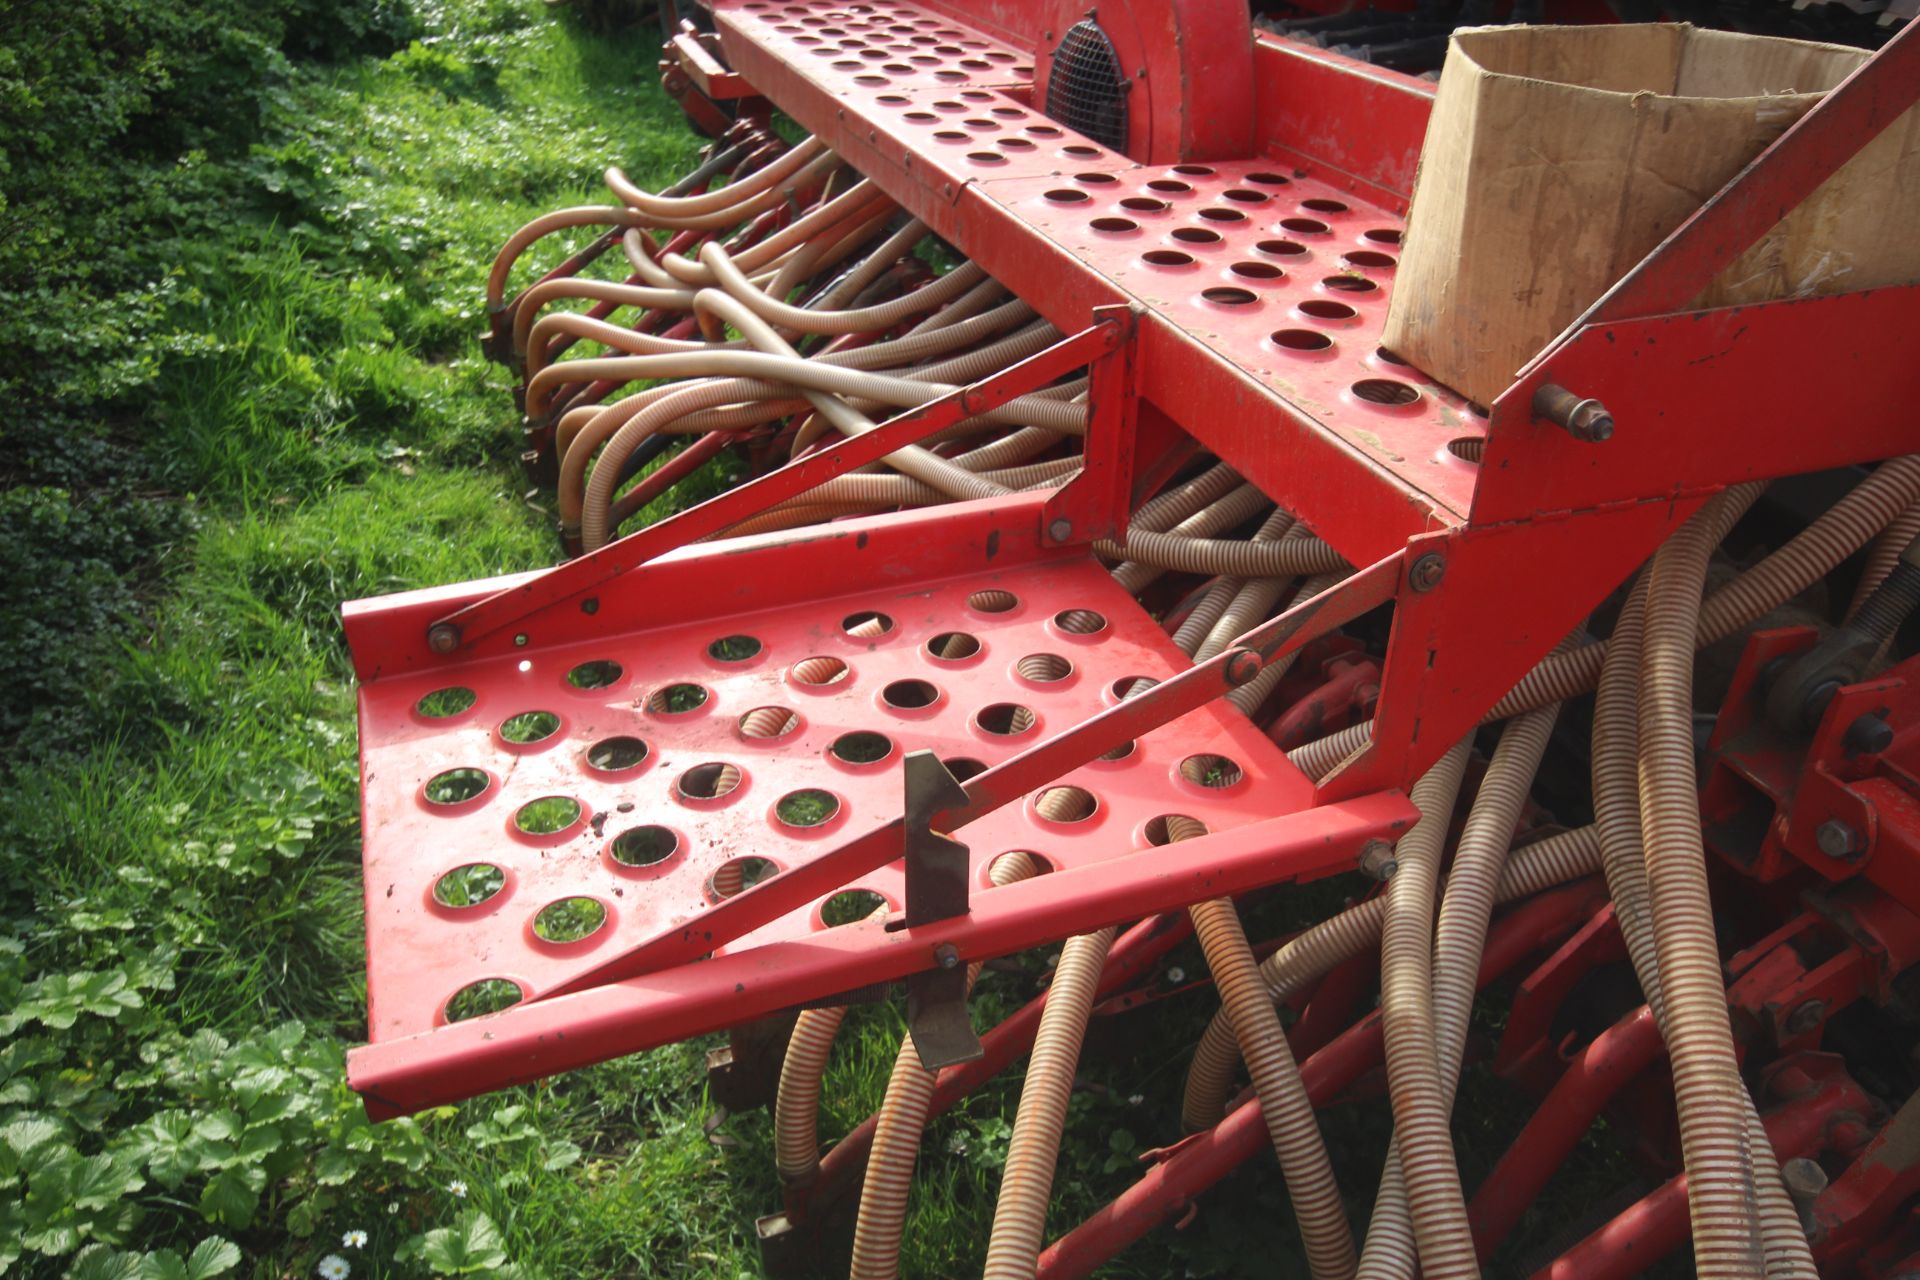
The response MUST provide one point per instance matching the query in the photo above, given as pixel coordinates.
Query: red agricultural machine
(1093, 571)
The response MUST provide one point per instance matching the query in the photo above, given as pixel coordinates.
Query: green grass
(298, 416)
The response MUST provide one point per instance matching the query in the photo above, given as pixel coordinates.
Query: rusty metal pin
(1582, 418)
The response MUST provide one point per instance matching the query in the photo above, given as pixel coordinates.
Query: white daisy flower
(334, 1267)
(354, 1240)
(458, 1188)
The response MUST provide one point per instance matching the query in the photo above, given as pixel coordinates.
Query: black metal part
(936, 890)
(744, 1074)
(1799, 694)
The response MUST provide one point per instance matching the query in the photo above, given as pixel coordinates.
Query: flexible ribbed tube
(1167, 509)
(1026, 1186)
(545, 225)
(1291, 1125)
(911, 459)
(517, 244)
(1318, 758)
(1421, 1193)
(740, 205)
(1283, 559)
(611, 425)
(1316, 952)
(1408, 1020)
(796, 1105)
(1276, 1078)
(1708, 1091)
(734, 193)
(527, 310)
(1193, 629)
(892, 491)
(617, 337)
(796, 1108)
(806, 320)
(864, 274)
(1235, 507)
(815, 380)
(896, 1136)
(1249, 697)
(831, 219)
(816, 376)
(1883, 555)
(1257, 596)
(1616, 798)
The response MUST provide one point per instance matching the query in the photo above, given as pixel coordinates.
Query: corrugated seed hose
(1616, 751)
(1319, 950)
(1422, 1150)
(896, 1138)
(1291, 1124)
(1026, 1186)
(1708, 1091)
(1426, 1191)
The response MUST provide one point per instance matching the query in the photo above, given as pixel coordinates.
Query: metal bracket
(936, 890)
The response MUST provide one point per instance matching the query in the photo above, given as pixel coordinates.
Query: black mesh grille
(1085, 91)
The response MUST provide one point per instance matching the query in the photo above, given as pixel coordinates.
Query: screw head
(443, 637)
(1804, 1177)
(1837, 839)
(1427, 571)
(1242, 667)
(1377, 860)
(1060, 530)
(947, 956)
(1868, 735)
(1805, 1017)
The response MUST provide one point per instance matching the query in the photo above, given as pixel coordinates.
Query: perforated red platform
(634, 788)
(534, 813)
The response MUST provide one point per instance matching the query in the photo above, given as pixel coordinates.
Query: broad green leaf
(98, 1262)
(334, 1167)
(211, 1257)
(163, 1265)
(100, 1180)
(472, 1245)
(232, 1197)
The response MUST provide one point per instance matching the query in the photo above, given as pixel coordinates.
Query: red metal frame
(1235, 267)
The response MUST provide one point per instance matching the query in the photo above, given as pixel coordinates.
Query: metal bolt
(1427, 571)
(1242, 667)
(1805, 1017)
(1583, 419)
(1837, 839)
(1805, 1180)
(1377, 860)
(1060, 530)
(946, 955)
(1176, 975)
(1868, 735)
(443, 637)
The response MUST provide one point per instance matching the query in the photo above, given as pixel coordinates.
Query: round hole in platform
(469, 886)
